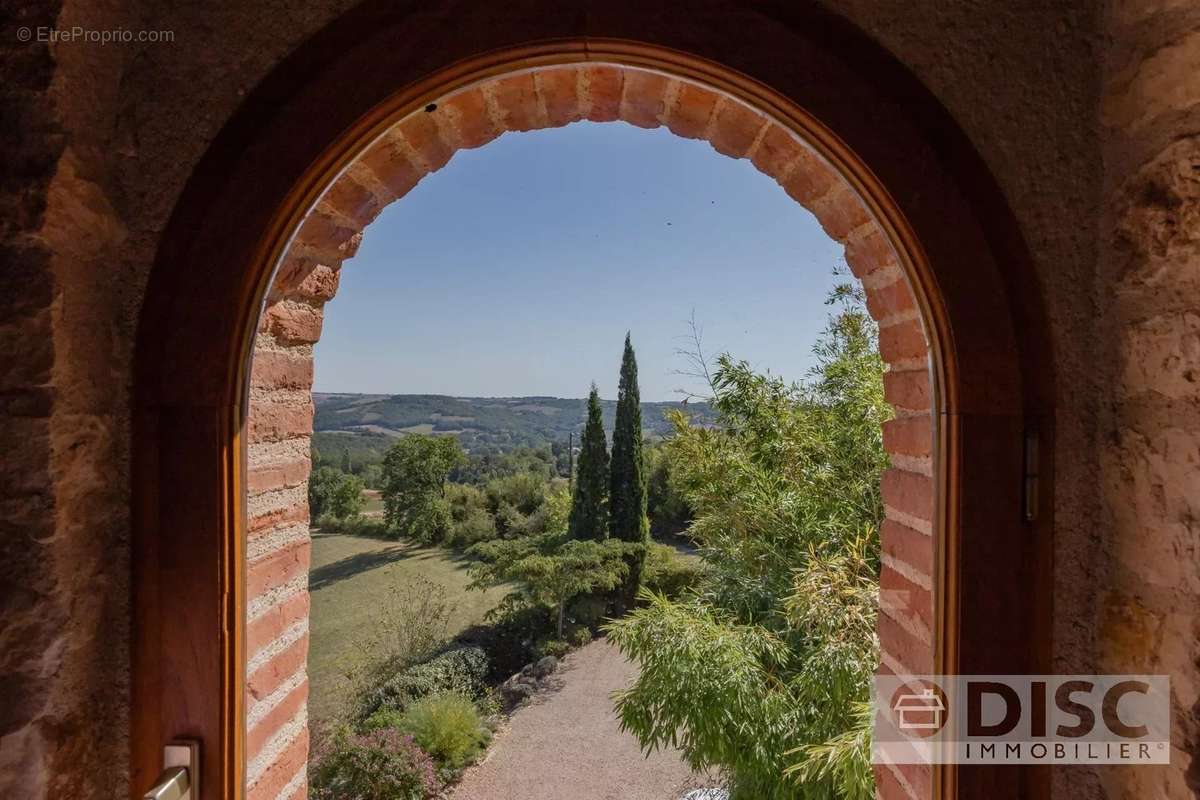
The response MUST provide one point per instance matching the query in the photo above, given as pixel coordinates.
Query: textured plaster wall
(1150, 328)
(98, 143)
(1021, 79)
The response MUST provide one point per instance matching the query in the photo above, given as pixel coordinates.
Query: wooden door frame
(922, 179)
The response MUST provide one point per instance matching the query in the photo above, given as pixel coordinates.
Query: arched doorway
(192, 420)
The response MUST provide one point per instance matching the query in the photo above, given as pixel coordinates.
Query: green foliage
(509, 521)
(470, 520)
(840, 759)
(524, 491)
(516, 505)
(365, 448)
(414, 483)
(487, 466)
(477, 526)
(368, 527)
(335, 494)
(509, 636)
(409, 625)
(378, 765)
(383, 718)
(579, 636)
(627, 519)
(588, 610)
(761, 669)
(589, 503)
(550, 569)
(448, 727)
(669, 574)
(347, 501)
(705, 685)
(372, 475)
(552, 647)
(666, 507)
(553, 514)
(464, 500)
(462, 671)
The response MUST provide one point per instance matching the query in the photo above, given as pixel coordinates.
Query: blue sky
(518, 267)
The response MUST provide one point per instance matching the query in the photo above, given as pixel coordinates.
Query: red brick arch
(281, 413)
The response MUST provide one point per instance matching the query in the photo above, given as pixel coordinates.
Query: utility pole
(571, 463)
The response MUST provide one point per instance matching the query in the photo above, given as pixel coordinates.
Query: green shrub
(335, 494)
(491, 704)
(369, 527)
(462, 671)
(524, 491)
(550, 569)
(383, 718)
(372, 476)
(465, 500)
(509, 636)
(666, 505)
(448, 727)
(579, 636)
(477, 526)
(552, 515)
(408, 626)
(668, 573)
(425, 522)
(510, 522)
(552, 647)
(380, 765)
(588, 610)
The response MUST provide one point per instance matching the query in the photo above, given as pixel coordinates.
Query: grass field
(349, 575)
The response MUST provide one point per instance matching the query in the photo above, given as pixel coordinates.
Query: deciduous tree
(414, 485)
(333, 493)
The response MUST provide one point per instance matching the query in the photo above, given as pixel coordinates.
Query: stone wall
(32, 606)
(1148, 581)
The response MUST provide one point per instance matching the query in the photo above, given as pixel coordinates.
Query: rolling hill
(361, 422)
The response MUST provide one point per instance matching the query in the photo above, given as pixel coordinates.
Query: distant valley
(367, 423)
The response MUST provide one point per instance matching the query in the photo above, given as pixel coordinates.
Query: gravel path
(565, 744)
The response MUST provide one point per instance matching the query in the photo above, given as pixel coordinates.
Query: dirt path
(566, 745)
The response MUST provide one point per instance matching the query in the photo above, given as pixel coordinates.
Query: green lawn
(348, 574)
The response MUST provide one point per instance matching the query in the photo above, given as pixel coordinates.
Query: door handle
(173, 784)
(180, 777)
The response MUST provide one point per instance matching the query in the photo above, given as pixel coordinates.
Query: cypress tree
(589, 506)
(627, 486)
